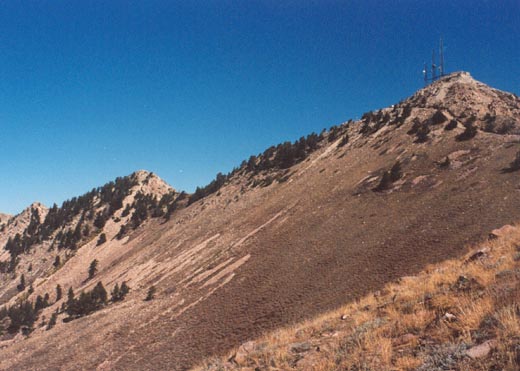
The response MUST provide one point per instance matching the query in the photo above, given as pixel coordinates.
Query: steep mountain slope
(462, 314)
(293, 232)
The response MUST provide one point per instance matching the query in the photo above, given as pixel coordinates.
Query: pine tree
(102, 239)
(70, 297)
(115, 293)
(124, 289)
(151, 293)
(21, 285)
(39, 305)
(92, 270)
(57, 261)
(52, 320)
(99, 294)
(59, 292)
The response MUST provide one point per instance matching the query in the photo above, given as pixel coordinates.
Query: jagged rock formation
(301, 228)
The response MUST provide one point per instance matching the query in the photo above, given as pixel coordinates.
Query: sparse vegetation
(344, 141)
(462, 314)
(119, 293)
(445, 164)
(59, 292)
(150, 295)
(389, 177)
(514, 165)
(21, 285)
(93, 268)
(87, 302)
(102, 239)
(451, 125)
(52, 321)
(469, 132)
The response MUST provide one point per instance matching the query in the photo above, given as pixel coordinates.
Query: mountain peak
(470, 101)
(149, 183)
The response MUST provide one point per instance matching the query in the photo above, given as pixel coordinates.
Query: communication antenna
(437, 71)
(441, 53)
(434, 67)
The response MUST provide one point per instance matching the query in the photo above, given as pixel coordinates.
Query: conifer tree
(99, 294)
(151, 293)
(70, 297)
(115, 293)
(59, 292)
(92, 270)
(21, 285)
(124, 289)
(52, 320)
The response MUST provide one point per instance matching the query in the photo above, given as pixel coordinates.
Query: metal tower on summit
(437, 71)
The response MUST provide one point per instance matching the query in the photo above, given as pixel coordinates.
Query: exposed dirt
(247, 260)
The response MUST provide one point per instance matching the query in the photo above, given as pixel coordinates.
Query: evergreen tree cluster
(21, 315)
(109, 198)
(87, 302)
(286, 154)
(147, 206)
(119, 293)
(91, 301)
(373, 121)
(24, 314)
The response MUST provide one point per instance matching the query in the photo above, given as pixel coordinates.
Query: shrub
(451, 125)
(422, 134)
(151, 293)
(467, 134)
(514, 165)
(437, 118)
(389, 177)
(102, 239)
(445, 164)
(344, 141)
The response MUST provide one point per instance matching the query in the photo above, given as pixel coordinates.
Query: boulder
(243, 352)
(481, 350)
(300, 347)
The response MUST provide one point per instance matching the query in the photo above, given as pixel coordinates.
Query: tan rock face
(481, 350)
(251, 258)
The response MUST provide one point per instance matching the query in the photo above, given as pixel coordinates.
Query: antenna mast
(434, 67)
(441, 53)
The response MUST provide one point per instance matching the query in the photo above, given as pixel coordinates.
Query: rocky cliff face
(297, 230)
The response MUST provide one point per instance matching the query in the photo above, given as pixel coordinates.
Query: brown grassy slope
(248, 260)
(461, 314)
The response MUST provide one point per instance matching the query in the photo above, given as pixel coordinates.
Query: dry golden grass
(399, 327)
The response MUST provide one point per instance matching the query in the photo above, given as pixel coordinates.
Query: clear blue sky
(91, 90)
